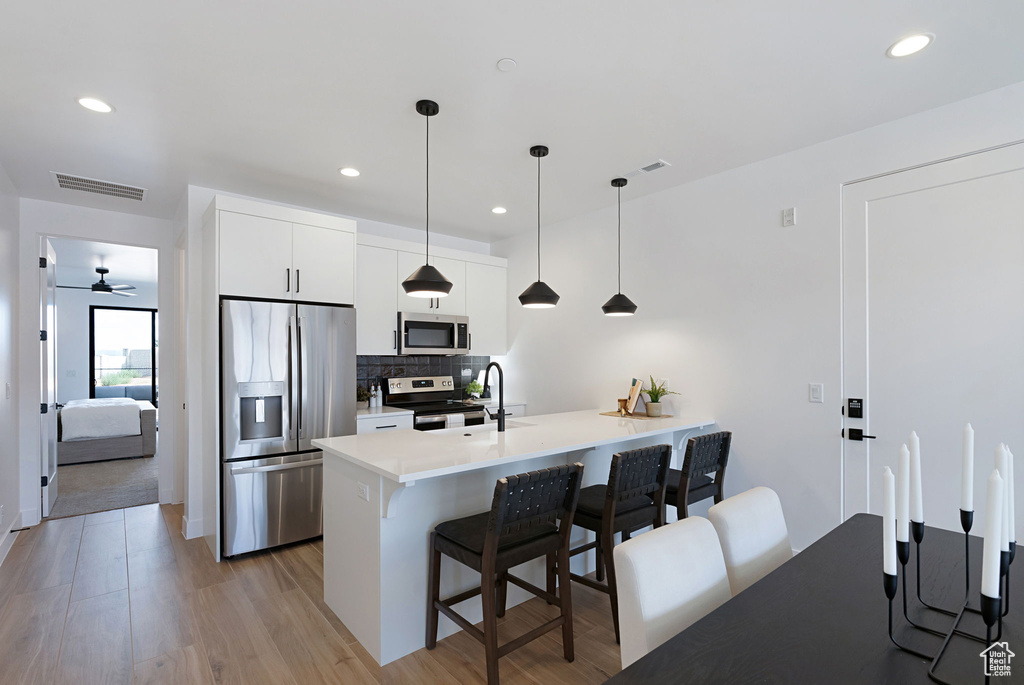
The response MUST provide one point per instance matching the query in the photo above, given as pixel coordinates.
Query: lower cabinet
(384, 422)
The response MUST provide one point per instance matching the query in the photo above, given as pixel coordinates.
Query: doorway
(106, 376)
(933, 280)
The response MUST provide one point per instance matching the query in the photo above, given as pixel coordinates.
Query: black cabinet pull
(296, 280)
(393, 425)
(287, 280)
(395, 343)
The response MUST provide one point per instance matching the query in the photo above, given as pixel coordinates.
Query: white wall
(39, 218)
(9, 463)
(73, 331)
(740, 313)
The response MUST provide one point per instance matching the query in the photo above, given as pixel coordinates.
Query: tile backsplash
(462, 369)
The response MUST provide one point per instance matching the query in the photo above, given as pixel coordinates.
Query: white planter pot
(654, 408)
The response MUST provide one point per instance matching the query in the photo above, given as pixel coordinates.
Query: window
(122, 353)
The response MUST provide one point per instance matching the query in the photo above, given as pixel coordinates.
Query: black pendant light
(427, 281)
(619, 305)
(539, 295)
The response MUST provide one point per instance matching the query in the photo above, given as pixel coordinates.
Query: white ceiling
(77, 261)
(271, 98)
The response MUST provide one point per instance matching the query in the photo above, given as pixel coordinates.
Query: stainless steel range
(432, 399)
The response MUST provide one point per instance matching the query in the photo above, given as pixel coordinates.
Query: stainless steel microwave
(432, 334)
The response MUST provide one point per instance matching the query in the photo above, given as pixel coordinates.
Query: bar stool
(531, 516)
(633, 498)
(705, 454)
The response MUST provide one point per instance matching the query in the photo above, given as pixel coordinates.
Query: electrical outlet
(364, 491)
(8, 391)
(816, 393)
(1, 516)
(664, 382)
(789, 216)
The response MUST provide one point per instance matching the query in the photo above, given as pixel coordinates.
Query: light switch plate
(8, 391)
(364, 491)
(816, 393)
(789, 216)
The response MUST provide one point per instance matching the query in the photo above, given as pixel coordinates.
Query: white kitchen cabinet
(376, 300)
(323, 260)
(381, 424)
(486, 292)
(255, 256)
(452, 269)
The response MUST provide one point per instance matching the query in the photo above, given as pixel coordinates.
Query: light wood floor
(121, 597)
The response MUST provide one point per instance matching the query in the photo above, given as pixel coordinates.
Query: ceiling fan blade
(76, 287)
(122, 294)
(122, 287)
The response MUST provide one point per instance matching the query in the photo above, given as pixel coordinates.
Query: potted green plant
(655, 393)
(362, 397)
(474, 389)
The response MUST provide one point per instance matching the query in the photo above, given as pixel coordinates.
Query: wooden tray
(644, 417)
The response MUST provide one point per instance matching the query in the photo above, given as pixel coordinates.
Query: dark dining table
(822, 618)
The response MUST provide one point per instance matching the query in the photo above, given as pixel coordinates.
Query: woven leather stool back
(707, 454)
(535, 498)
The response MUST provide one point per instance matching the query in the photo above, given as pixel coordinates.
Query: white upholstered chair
(753, 533)
(667, 579)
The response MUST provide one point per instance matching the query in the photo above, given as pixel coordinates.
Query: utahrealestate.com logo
(997, 659)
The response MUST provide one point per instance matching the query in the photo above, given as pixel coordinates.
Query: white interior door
(48, 371)
(933, 323)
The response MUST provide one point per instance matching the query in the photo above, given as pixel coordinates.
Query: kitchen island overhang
(384, 493)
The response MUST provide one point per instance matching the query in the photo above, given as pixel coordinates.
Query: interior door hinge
(42, 262)
(42, 408)
(45, 481)
(42, 336)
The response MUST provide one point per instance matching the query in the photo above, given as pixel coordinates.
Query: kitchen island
(384, 493)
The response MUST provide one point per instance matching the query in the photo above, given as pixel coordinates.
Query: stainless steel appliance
(433, 334)
(431, 399)
(287, 377)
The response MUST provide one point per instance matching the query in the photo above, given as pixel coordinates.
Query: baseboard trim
(28, 518)
(167, 496)
(191, 528)
(6, 542)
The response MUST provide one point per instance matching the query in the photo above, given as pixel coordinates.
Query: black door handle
(858, 434)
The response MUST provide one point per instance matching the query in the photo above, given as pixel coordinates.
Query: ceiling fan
(102, 286)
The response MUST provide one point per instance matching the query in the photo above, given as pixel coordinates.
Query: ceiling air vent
(93, 185)
(660, 164)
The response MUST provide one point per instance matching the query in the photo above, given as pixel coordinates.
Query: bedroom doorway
(106, 345)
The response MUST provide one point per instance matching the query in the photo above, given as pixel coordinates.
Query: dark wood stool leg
(565, 603)
(488, 599)
(608, 545)
(599, 554)
(551, 561)
(502, 593)
(433, 593)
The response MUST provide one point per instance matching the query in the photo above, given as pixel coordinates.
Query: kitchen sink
(486, 428)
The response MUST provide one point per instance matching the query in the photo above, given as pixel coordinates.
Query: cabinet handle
(431, 303)
(470, 341)
(287, 280)
(395, 340)
(296, 280)
(393, 425)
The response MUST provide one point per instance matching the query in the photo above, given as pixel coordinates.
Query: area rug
(104, 485)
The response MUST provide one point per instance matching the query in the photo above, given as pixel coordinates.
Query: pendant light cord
(538, 219)
(620, 238)
(427, 260)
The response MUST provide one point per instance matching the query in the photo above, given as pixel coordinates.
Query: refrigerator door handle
(293, 376)
(301, 346)
(238, 470)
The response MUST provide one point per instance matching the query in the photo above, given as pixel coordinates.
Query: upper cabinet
(280, 253)
(486, 292)
(452, 269)
(376, 298)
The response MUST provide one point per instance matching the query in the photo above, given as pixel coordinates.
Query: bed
(102, 429)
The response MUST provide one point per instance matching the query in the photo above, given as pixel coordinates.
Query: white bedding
(112, 417)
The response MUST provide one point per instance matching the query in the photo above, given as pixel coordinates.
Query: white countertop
(493, 402)
(380, 411)
(406, 456)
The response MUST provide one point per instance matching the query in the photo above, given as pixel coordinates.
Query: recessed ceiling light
(349, 171)
(506, 64)
(499, 210)
(95, 105)
(910, 45)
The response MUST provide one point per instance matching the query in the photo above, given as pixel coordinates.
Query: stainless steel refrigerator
(288, 376)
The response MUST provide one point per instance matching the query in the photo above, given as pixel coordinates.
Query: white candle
(993, 522)
(1001, 467)
(903, 496)
(1009, 492)
(916, 503)
(967, 479)
(889, 523)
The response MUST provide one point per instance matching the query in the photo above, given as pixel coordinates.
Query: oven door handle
(430, 419)
(474, 414)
